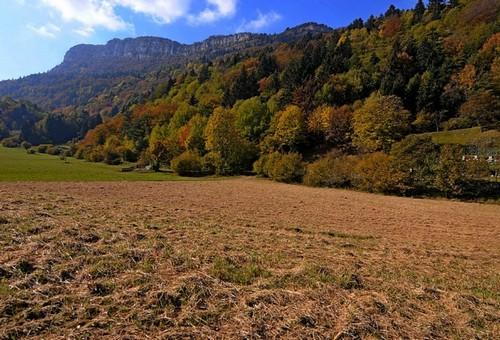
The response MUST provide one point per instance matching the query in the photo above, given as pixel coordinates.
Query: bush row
(415, 166)
(287, 167)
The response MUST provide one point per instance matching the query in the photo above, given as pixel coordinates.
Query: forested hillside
(357, 104)
(103, 79)
(21, 120)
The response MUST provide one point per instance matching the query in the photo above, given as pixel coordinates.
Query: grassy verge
(17, 165)
(462, 136)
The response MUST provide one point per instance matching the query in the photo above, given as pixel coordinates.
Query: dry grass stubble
(243, 259)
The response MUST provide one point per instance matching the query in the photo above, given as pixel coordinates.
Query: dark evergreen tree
(391, 11)
(243, 87)
(337, 57)
(203, 74)
(418, 12)
(371, 23)
(357, 23)
(436, 8)
(429, 54)
(267, 66)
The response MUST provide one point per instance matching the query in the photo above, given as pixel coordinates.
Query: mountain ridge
(159, 49)
(88, 69)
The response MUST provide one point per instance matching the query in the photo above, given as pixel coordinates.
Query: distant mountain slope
(21, 118)
(15, 114)
(87, 70)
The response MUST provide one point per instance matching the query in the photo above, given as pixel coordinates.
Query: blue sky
(35, 34)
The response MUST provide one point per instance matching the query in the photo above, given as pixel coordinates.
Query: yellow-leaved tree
(380, 122)
(226, 145)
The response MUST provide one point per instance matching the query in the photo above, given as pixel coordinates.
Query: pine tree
(436, 8)
(392, 10)
(418, 12)
(371, 23)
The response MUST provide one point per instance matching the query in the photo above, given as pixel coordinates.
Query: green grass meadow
(16, 165)
(462, 136)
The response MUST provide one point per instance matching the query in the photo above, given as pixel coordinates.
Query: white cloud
(93, 14)
(85, 31)
(216, 9)
(162, 11)
(262, 20)
(48, 31)
(89, 13)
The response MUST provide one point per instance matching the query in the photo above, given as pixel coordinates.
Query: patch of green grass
(4, 289)
(485, 293)
(462, 136)
(107, 267)
(313, 276)
(243, 273)
(18, 166)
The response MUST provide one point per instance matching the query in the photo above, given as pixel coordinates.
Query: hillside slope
(88, 70)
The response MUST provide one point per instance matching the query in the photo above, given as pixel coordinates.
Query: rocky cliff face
(139, 48)
(152, 49)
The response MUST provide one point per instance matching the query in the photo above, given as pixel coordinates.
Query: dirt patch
(243, 259)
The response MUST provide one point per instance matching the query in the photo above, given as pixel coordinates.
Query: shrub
(415, 157)
(12, 142)
(286, 168)
(80, 153)
(144, 159)
(331, 171)
(129, 155)
(374, 173)
(94, 155)
(451, 172)
(42, 148)
(262, 167)
(26, 145)
(111, 157)
(187, 164)
(31, 151)
(211, 162)
(54, 150)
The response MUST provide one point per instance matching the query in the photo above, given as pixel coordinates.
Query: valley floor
(243, 258)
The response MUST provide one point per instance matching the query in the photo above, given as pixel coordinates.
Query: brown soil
(243, 258)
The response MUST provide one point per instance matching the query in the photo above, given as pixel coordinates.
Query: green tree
(451, 172)
(182, 116)
(252, 117)
(287, 130)
(418, 12)
(203, 74)
(162, 147)
(391, 11)
(436, 8)
(244, 86)
(225, 140)
(380, 122)
(195, 136)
